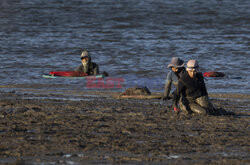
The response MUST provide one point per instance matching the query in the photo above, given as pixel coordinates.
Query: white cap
(192, 65)
(84, 54)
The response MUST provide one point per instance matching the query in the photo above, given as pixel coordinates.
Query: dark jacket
(191, 88)
(172, 78)
(93, 69)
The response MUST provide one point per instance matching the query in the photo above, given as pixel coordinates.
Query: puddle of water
(243, 116)
(32, 131)
(67, 155)
(2, 132)
(170, 156)
(60, 98)
(140, 142)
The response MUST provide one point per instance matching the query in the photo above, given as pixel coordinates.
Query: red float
(213, 74)
(67, 73)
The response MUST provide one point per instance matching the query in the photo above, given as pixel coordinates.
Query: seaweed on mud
(137, 90)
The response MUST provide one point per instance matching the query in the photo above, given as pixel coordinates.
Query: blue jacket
(172, 78)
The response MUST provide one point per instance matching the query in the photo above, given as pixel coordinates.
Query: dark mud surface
(35, 129)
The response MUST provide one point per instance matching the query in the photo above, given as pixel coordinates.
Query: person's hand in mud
(165, 98)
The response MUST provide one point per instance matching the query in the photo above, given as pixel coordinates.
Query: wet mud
(104, 130)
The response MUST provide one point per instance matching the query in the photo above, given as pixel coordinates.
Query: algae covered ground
(100, 129)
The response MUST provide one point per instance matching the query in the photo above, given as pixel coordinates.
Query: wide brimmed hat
(176, 62)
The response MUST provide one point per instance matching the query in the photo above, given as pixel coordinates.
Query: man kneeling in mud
(177, 69)
(191, 87)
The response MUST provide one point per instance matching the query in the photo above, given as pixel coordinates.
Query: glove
(176, 109)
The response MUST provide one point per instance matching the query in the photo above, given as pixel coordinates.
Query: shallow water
(130, 40)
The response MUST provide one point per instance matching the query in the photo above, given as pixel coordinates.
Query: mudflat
(35, 129)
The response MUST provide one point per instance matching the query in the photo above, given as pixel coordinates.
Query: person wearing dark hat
(192, 90)
(177, 68)
(87, 67)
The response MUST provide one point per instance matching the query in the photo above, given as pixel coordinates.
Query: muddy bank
(99, 130)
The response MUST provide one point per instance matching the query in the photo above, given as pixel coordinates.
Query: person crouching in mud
(87, 67)
(177, 69)
(192, 90)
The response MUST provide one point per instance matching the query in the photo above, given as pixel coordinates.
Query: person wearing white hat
(87, 67)
(192, 88)
(177, 68)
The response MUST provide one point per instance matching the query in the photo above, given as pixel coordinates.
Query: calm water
(130, 39)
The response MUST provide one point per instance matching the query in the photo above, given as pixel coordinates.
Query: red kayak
(213, 74)
(68, 73)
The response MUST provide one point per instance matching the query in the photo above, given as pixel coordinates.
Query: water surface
(133, 40)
